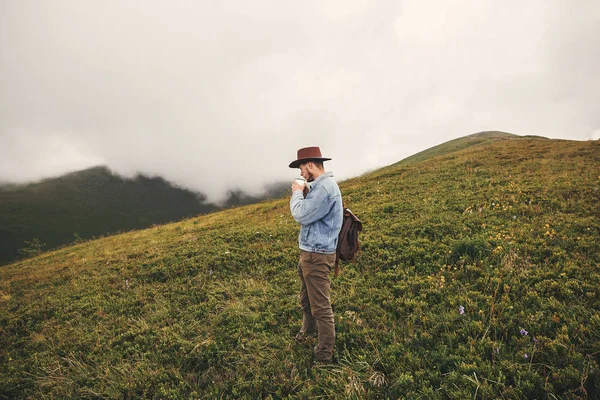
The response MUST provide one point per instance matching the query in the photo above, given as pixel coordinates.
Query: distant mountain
(96, 202)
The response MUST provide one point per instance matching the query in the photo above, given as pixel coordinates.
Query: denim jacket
(320, 215)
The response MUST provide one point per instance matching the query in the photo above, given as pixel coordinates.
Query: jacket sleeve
(312, 208)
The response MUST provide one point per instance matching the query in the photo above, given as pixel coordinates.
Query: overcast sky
(217, 94)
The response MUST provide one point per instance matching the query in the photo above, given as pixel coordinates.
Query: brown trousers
(314, 269)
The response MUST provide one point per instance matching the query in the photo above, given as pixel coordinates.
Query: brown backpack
(348, 244)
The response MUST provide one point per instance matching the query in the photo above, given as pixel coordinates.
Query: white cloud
(212, 95)
(47, 156)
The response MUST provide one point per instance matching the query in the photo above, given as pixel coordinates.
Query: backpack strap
(349, 213)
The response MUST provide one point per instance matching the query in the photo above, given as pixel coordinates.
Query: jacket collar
(325, 175)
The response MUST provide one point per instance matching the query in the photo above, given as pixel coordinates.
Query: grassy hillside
(479, 278)
(95, 202)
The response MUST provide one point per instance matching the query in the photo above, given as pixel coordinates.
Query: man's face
(305, 171)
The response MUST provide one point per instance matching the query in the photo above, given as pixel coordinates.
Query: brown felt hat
(308, 154)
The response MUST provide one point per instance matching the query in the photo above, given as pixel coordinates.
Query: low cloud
(216, 96)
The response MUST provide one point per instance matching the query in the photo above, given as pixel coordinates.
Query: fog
(216, 95)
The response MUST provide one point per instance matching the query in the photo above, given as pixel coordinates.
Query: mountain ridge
(457, 144)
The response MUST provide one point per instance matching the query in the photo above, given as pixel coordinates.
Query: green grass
(206, 308)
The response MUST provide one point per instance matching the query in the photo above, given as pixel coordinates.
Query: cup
(300, 181)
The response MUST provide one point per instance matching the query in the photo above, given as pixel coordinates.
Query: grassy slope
(206, 307)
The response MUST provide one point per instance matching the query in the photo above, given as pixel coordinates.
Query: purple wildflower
(535, 339)
(523, 332)
(461, 310)
(525, 356)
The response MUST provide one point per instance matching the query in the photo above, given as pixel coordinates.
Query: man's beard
(310, 177)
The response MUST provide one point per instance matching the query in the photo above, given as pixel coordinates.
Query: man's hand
(297, 186)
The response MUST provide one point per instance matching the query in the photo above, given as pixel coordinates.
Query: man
(320, 215)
